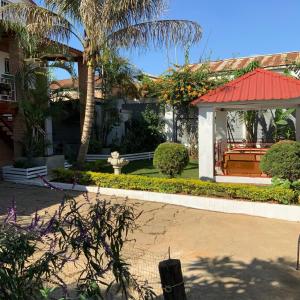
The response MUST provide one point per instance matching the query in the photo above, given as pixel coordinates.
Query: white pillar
(49, 136)
(298, 123)
(220, 138)
(221, 125)
(206, 141)
(169, 123)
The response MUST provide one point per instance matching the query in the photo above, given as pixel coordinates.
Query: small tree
(171, 159)
(177, 89)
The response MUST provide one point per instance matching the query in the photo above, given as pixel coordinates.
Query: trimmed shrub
(171, 159)
(180, 186)
(282, 160)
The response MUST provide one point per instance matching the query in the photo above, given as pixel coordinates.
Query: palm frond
(36, 21)
(123, 13)
(68, 8)
(156, 33)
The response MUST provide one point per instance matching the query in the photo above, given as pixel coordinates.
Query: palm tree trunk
(89, 114)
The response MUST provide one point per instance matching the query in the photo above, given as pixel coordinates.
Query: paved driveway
(224, 256)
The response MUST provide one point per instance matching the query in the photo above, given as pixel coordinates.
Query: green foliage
(95, 147)
(249, 68)
(118, 76)
(282, 160)
(282, 126)
(23, 164)
(179, 186)
(171, 158)
(285, 183)
(95, 166)
(143, 133)
(35, 109)
(181, 85)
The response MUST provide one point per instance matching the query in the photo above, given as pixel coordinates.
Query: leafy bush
(33, 255)
(179, 186)
(282, 160)
(94, 166)
(146, 132)
(23, 164)
(171, 159)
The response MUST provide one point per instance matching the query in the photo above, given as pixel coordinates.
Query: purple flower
(49, 227)
(11, 214)
(34, 222)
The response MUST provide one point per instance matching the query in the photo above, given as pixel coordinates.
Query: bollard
(171, 279)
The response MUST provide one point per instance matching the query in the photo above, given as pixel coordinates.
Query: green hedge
(180, 186)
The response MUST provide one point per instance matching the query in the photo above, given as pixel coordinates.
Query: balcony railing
(7, 88)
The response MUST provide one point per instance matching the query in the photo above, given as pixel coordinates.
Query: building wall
(6, 154)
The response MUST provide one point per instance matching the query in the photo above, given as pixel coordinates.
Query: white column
(49, 136)
(221, 125)
(169, 123)
(298, 123)
(220, 138)
(206, 139)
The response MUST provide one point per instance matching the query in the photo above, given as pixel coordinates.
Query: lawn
(145, 168)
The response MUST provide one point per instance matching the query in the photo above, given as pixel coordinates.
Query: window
(6, 66)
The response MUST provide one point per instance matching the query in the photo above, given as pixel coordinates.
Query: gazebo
(257, 90)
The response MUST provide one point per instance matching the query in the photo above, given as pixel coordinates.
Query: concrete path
(224, 256)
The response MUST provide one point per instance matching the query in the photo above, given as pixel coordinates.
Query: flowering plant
(90, 235)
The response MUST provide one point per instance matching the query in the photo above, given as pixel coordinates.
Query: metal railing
(130, 157)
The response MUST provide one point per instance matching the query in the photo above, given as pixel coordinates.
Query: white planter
(11, 173)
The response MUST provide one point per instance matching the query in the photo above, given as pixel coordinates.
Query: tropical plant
(282, 128)
(118, 77)
(282, 160)
(34, 82)
(171, 159)
(89, 235)
(33, 78)
(105, 24)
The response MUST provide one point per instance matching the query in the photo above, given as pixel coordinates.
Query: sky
(232, 28)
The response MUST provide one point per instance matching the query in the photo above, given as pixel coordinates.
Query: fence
(130, 157)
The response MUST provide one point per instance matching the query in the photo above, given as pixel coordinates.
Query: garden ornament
(117, 162)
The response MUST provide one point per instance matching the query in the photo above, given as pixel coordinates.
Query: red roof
(258, 85)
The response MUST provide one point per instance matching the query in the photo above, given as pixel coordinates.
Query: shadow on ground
(226, 278)
(28, 200)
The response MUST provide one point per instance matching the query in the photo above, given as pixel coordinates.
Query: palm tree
(104, 24)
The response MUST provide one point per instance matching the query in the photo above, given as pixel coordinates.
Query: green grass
(145, 168)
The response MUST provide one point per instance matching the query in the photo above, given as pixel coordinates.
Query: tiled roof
(269, 61)
(69, 84)
(257, 85)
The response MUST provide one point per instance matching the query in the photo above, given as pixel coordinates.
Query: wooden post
(172, 280)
